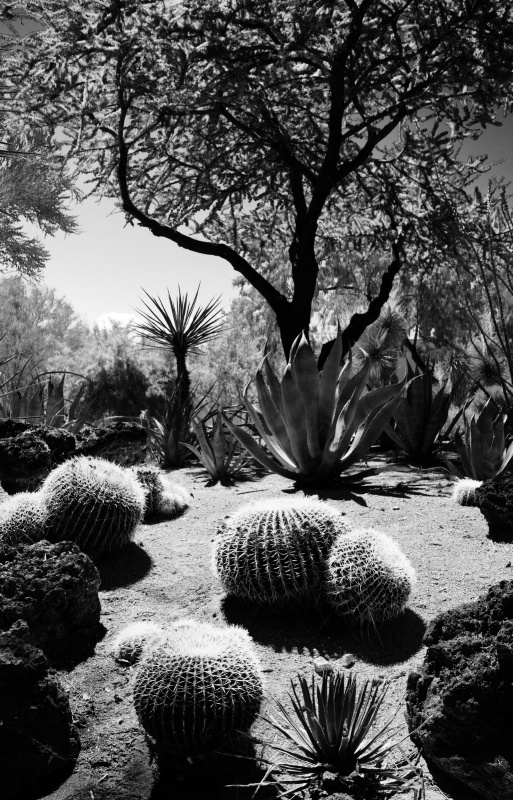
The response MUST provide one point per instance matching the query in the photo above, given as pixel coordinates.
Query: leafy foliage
(482, 448)
(330, 729)
(315, 428)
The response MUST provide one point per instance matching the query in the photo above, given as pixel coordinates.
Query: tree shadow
(124, 568)
(321, 630)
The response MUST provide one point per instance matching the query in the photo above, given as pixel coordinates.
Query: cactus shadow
(321, 630)
(77, 647)
(124, 568)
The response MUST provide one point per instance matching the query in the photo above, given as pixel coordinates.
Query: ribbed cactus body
(368, 577)
(22, 519)
(464, 491)
(135, 640)
(161, 498)
(94, 503)
(275, 550)
(199, 689)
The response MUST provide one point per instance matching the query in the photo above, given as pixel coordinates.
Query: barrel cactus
(161, 499)
(198, 690)
(464, 491)
(22, 519)
(135, 640)
(368, 577)
(275, 550)
(94, 503)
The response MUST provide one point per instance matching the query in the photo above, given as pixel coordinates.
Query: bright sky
(104, 269)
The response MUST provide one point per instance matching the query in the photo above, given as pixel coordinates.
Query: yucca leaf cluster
(330, 728)
(316, 426)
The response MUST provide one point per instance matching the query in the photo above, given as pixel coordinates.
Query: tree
(223, 126)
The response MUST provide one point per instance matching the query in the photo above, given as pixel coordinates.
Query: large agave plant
(315, 427)
(217, 454)
(482, 449)
(421, 414)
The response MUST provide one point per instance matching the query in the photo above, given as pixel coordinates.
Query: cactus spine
(368, 577)
(22, 519)
(160, 499)
(275, 550)
(94, 503)
(464, 491)
(136, 640)
(199, 689)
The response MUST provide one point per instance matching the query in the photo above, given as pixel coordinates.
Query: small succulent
(482, 448)
(22, 519)
(135, 640)
(464, 491)
(368, 577)
(330, 729)
(315, 427)
(161, 499)
(217, 455)
(274, 551)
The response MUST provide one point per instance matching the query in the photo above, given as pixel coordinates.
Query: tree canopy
(236, 127)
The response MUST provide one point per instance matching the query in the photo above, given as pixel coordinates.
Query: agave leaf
(294, 416)
(359, 379)
(272, 443)
(437, 419)
(219, 442)
(394, 436)
(498, 433)
(306, 378)
(205, 459)
(274, 385)
(475, 448)
(485, 424)
(201, 434)
(257, 452)
(328, 383)
(508, 455)
(272, 414)
(463, 452)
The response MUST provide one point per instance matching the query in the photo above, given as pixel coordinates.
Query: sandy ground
(165, 575)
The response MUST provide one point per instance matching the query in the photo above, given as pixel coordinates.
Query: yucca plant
(218, 453)
(330, 730)
(421, 414)
(316, 426)
(482, 448)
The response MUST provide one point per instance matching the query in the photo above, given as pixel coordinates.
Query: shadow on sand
(122, 569)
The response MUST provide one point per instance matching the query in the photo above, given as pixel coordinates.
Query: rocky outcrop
(463, 694)
(37, 737)
(29, 452)
(494, 499)
(125, 443)
(53, 587)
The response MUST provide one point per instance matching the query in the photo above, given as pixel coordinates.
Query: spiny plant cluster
(197, 687)
(302, 550)
(89, 501)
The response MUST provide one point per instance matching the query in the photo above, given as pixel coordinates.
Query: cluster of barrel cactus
(92, 502)
(464, 491)
(275, 551)
(197, 687)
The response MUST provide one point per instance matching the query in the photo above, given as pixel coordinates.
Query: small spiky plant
(22, 519)
(275, 550)
(161, 498)
(464, 491)
(198, 690)
(330, 729)
(94, 503)
(368, 577)
(135, 640)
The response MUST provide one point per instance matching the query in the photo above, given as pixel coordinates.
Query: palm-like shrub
(199, 689)
(482, 448)
(218, 454)
(422, 413)
(274, 551)
(331, 729)
(315, 427)
(181, 329)
(368, 577)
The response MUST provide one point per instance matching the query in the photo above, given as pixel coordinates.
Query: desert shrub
(191, 717)
(274, 550)
(94, 503)
(368, 577)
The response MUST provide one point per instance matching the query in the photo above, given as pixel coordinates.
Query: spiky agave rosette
(275, 550)
(199, 689)
(315, 427)
(94, 503)
(368, 577)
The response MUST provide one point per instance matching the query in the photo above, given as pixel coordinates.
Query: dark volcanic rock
(463, 694)
(53, 587)
(494, 499)
(125, 443)
(37, 737)
(29, 452)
